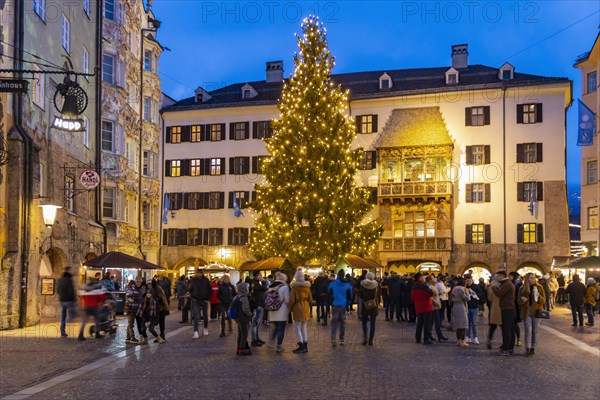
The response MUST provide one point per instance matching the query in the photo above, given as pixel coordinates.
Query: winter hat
(280, 276)
(299, 275)
(370, 276)
(591, 281)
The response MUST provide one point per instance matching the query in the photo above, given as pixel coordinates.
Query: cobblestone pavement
(395, 368)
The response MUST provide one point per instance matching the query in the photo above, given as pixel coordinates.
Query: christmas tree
(309, 205)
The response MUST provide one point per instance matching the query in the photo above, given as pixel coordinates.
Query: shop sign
(69, 125)
(89, 179)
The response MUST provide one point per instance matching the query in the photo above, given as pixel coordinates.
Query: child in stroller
(107, 322)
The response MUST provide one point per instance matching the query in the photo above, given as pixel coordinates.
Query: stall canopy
(356, 262)
(269, 264)
(586, 262)
(560, 261)
(116, 259)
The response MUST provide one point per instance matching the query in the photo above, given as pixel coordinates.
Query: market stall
(270, 265)
(355, 264)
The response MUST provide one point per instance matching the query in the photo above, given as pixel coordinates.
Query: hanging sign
(69, 125)
(89, 179)
(13, 86)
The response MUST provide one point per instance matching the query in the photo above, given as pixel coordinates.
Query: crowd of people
(426, 300)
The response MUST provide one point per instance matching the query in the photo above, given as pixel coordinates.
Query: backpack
(597, 294)
(273, 301)
(233, 310)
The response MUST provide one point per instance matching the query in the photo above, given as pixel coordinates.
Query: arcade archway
(478, 270)
(531, 267)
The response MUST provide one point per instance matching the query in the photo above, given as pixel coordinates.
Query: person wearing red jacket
(421, 296)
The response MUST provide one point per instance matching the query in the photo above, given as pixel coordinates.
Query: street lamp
(49, 214)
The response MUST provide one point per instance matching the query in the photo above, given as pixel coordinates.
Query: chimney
(460, 55)
(274, 71)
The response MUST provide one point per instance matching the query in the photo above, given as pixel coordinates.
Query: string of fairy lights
(309, 206)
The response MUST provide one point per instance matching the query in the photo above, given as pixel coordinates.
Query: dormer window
(385, 82)
(506, 72)
(452, 77)
(248, 92)
(202, 95)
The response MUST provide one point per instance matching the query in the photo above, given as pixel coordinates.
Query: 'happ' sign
(69, 125)
(89, 179)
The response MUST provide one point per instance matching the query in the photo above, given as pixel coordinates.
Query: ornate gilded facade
(131, 203)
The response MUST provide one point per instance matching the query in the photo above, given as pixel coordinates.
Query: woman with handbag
(459, 297)
(532, 299)
(300, 300)
(368, 292)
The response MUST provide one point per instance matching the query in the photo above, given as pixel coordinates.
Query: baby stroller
(107, 322)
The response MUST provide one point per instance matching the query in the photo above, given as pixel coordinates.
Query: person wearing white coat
(280, 317)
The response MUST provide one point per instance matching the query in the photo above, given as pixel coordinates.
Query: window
(194, 201)
(246, 94)
(175, 134)
(262, 130)
(85, 63)
(108, 134)
(86, 7)
(592, 217)
(529, 152)
(257, 164)
(478, 154)
(215, 200)
(592, 172)
(39, 87)
(592, 82)
(385, 84)
(195, 167)
(478, 193)
(66, 34)
(175, 168)
(368, 160)
(147, 109)
(529, 233)
(39, 6)
(529, 113)
(108, 69)
(237, 236)
(239, 165)
(506, 74)
(108, 203)
(149, 163)
(452, 79)
(194, 237)
(215, 166)
(477, 116)
(527, 190)
(414, 225)
(147, 216)
(175, 201)
(477, 233)
(215, 237)
(366, 123)
(86, 132)
(196, 133)
(148, 60)
(109, 9)
(239, 130)
(216, 132)
(243, 198)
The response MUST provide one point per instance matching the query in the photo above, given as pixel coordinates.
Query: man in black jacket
(576, 291)
(200, 291)
(259, 288)
(320, 294)
(66, 296)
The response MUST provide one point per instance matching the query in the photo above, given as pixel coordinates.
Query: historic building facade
(130, 129)
(589, 64)
(466, 165)
(41, 164)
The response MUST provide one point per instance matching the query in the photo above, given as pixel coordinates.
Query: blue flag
(586, 125)
(236, 208)
(531, 198)
(166, 206)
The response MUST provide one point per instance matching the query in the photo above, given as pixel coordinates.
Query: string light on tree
(309, 206)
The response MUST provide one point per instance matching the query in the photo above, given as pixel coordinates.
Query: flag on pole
(531, 198)
(586, 125)
(167, 205)
(236, 208)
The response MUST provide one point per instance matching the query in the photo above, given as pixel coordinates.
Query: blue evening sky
(216, 43)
